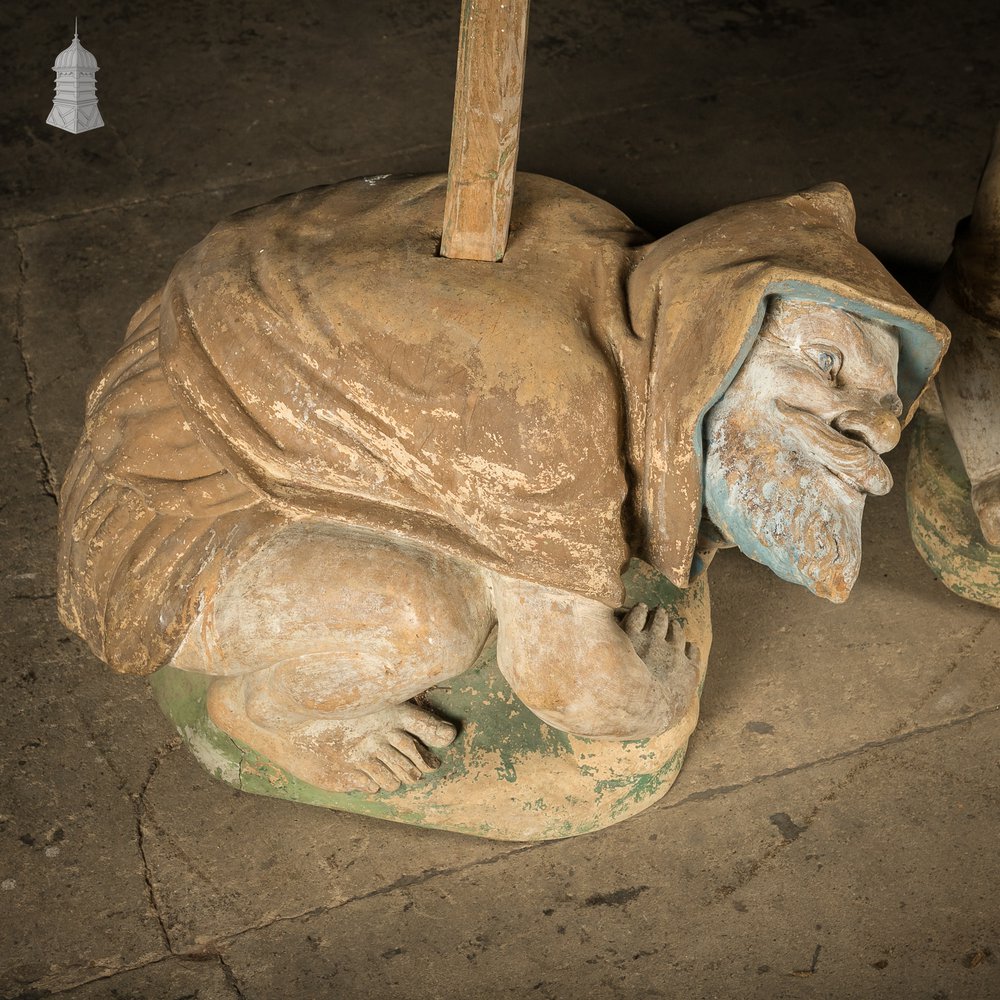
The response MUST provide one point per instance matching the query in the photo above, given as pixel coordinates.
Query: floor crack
(103, 977)
(401, 883)
(890, 740)
(745, 876)
(140, 808)
(231, 978)
(789, 830)
(964, 650)
(47, 479)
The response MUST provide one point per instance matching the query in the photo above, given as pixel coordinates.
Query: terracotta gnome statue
(953, 483)
(330, 470)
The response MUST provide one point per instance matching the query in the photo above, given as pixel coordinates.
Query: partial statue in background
(954, 475)
(351, 499)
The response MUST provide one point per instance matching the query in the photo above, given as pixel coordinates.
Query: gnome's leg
(319, 642)
(969, 386)
(578, 668)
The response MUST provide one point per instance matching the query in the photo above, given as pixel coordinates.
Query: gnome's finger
(635, 619)
(659, 626)
(676, 636)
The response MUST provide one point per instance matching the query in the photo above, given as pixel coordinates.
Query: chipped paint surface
(314, 359)
(212, 753)
(509, 776)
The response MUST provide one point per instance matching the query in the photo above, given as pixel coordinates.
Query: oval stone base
(943, 524)
(508, 775)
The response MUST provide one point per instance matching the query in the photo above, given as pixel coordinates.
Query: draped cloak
(314, 358)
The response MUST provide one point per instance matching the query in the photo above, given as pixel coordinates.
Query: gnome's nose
(877, 426)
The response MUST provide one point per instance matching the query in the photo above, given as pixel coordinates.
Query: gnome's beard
(779, 504)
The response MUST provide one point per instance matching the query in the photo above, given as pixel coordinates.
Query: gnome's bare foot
(371, 753)
(986, 503)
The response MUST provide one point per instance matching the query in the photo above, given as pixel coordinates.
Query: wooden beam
(485, 129)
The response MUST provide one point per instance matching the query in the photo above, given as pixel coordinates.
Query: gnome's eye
(827, 359)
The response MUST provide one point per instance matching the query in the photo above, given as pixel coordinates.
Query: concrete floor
(834, 831)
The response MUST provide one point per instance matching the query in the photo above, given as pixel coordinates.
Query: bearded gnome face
(792, 448)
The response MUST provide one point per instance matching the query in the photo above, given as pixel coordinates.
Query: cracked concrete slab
(821, 883)
(74, 903)
(75, 900)
(201, 978)
(202, 837)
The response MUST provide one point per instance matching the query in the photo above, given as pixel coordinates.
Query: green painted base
(943, 524)
(508, 776)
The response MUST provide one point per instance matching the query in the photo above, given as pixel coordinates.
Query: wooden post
(485, 129)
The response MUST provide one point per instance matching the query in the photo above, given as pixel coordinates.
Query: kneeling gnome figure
(330, 471)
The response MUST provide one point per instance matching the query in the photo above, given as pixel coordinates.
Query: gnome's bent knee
(342, 619)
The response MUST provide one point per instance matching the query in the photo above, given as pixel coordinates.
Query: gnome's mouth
(849, 460)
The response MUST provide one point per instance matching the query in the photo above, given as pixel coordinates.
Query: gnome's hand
(662, 646)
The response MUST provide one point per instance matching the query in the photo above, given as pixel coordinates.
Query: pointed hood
(697, 300)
